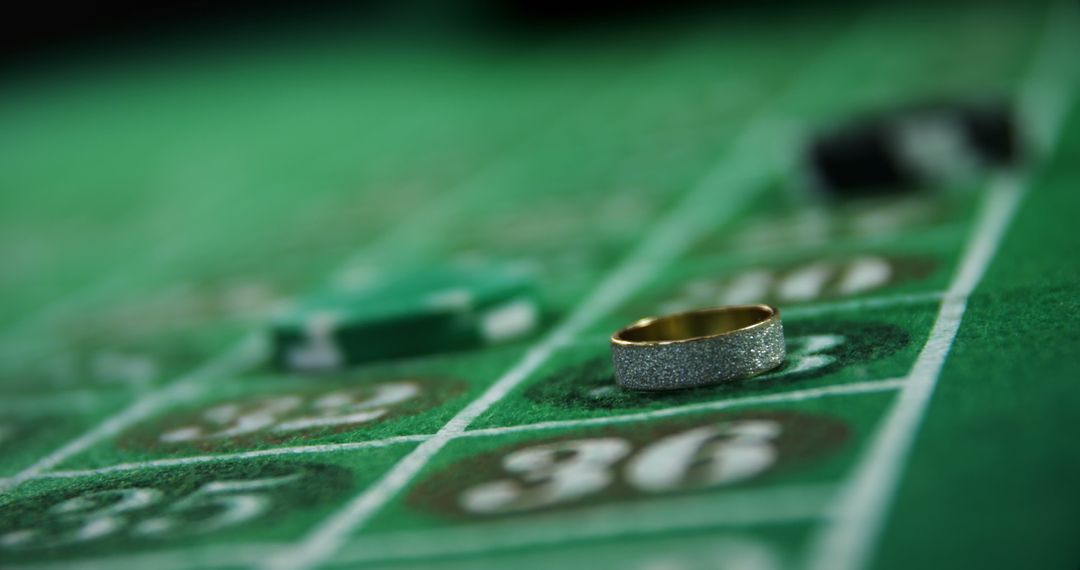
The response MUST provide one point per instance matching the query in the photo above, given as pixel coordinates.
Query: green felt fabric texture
(158, 207)
(993, 462)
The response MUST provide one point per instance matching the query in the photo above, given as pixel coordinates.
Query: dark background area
(42, 33)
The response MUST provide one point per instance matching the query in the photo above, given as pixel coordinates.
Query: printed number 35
(101, 514)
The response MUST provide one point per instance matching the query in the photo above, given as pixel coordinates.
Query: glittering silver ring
(698, 348)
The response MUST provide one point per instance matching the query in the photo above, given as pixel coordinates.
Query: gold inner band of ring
(694, 325)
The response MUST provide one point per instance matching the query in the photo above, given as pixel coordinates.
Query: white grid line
(249, 351)
(737, 507)
(245, 353)
(84, 398)
(821, 308)
(845, 245)
(878, 302)
(671, 236)
(744, 168)
(1006, 190)
(848, 541)
(215, 556)
(845, 544)
(434, 212)
(791, 396)
(199, 459)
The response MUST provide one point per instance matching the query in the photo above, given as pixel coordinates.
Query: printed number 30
(567, 471)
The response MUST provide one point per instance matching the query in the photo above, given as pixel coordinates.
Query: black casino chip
(922, 146)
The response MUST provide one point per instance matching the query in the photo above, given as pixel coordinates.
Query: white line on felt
(732, 508)
(794, 396)
(196, 459)
(404, 241)
(245, 353)
(186, 385)
(771, 505)
(670, 238)
(880, 302)
(847, 542)
(215, 556)
(822, 308)
(83, 398)
(843, 245)
(11, 335)
(743, 168)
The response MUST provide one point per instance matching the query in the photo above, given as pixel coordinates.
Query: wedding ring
(698, 348)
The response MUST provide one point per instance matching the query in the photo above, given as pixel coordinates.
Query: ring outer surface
(702, 360)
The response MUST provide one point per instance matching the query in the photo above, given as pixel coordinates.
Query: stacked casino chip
(412, 313)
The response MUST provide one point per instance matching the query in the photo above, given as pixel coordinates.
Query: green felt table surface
(157, 207)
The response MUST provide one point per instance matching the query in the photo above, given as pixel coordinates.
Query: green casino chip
(436, 309)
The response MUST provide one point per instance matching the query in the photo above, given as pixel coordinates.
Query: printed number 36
(567, 471)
